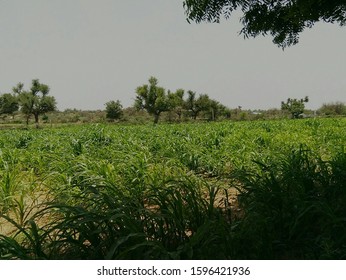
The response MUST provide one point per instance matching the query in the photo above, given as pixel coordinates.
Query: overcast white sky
(93, 51)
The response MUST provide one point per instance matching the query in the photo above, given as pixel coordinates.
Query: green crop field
(228, 190)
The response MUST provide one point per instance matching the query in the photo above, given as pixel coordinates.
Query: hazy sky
(93, 51)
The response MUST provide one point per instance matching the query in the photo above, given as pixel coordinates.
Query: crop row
(109, 191)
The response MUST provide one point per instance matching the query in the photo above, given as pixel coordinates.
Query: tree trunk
(27, 119)
(156, 118)
(36, 120)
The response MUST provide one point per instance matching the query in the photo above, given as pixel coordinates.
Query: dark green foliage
(294, 208)
(155, 101)
(8, 103)
(176, 102)
(36, 101)
(294, 106)
(152, 98)
(283, 19)
(203, 103)
(23, 141)
(114, 110)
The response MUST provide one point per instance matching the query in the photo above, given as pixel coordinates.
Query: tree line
(155, 100)
(32, 102)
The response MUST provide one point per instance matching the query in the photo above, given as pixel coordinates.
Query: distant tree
(176, 102)
(18, 88)
(152, 98)
(329, 109)
(36, 101)
(216, 110)
(294, 106)
(224, 111)
(204, 103)
(114, 110)
(283, 19)
(190, 104)
(8, 103)
(26, 104)
(194, 105)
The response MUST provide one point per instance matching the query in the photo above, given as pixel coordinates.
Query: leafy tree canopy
(176, 101)
(36, 101)
(283, 19)
(114, 110)
(294, 106)
(152, 98)
(8, 103)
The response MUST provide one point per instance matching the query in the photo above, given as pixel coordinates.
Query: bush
(294, 208)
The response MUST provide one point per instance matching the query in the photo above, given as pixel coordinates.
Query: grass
(297, 206)
(163, 192)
